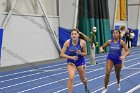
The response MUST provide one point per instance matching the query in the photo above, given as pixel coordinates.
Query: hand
(74, 57)
(101, 50)
(79, 52)
(122, 57)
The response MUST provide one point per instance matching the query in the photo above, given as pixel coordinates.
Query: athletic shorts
(115, 60)
(77, 62)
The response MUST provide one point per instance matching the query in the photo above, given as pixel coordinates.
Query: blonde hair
(122, 27)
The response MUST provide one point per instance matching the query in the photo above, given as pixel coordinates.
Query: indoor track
(52, 77)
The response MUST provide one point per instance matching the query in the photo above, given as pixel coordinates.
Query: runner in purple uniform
(77, 49)
(114, 57)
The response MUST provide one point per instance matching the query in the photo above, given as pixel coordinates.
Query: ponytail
(81, 35)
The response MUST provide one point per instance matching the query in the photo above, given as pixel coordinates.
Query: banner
(123, 10)
(117, 14)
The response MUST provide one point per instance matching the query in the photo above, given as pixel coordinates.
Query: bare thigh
(71, 70)
(82, 72)
(118, 68)
(109, 65)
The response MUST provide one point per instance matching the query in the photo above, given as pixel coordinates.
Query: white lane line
(41, 72)
(75, 76)
(131, 68)
(48, 76)
(31, 70)
(116, 82)
(49, 66)
(46, 71)
(91, 80)
(37, 79)
(134, 89)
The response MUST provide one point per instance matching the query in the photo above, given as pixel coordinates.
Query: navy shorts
(115, 60)
(78, 62)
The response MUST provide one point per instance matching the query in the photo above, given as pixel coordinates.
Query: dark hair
(130, 30)
(118, 31)
(81, 36)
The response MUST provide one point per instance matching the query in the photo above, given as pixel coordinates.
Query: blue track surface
(52, 77)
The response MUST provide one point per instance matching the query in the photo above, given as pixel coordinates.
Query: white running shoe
(119, 87)
(104, 90)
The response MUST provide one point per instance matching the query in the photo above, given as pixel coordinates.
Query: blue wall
(1, 35)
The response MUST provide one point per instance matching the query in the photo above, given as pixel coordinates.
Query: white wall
(30, 6)
(133, 12)
(134, 15)
(27, 38)
(66, 13)
(133, 1)
(139, 26)
(112, 7)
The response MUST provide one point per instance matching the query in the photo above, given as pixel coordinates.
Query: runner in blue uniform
(114, 57)
(77, 49)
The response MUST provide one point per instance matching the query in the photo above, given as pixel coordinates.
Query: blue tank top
(115, 49)
(72, 51)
